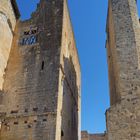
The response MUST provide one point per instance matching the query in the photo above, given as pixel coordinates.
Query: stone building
(39, 74)
(123, 49)
(123, 52)
(86, 136)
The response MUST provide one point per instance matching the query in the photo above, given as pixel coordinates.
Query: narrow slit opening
(42, 66)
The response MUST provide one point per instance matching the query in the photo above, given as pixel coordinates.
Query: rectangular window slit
(14, 111)
(42, 67)
(44, 120)
(35, 109)
(16, 123)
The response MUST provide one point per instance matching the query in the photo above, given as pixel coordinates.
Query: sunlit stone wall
(7, 25)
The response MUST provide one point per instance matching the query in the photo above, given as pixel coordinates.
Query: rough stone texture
(123, 44)
(71, 82)
(41, 99)
(86, 136)
(6, 8)
(7, 26)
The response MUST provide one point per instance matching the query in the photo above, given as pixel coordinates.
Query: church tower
(123, 48)
(41, 90)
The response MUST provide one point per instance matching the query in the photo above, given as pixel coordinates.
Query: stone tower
(40, 96)
(123, 47)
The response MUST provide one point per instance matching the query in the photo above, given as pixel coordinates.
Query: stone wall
(125, 59)
(37, 87)
(123, 43)
(6, 8)
(71, 81)
(31, 81)
(97, 137)
(86, 136)
(7, 26)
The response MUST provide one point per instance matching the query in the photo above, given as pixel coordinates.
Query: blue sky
(89, 22)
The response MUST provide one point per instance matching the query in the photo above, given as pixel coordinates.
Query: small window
(31, 40)
(62, 133)
(42, 66)
(44, 120)
(30, 32)
(35, 109)
(35, 121)
(26, 32)
(33, 31)
(29, 125)
(16, 123)
(26, 110)
(14, 111)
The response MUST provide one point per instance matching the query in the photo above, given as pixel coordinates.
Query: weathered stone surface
(123, 44)
(7, 26)
(71, 82)
(41, 96)
(86, 136)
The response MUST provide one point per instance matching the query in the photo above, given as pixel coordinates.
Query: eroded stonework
(123, 45)
(123, 51)
(8, 19)
(40, 97)
(86, 136)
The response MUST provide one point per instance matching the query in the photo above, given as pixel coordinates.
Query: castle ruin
(123, 53)
(39, 74)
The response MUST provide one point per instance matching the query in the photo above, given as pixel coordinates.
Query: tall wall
(123, 45)
(8, 19)
(71, 82)
(86, 136)
(35, 93)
